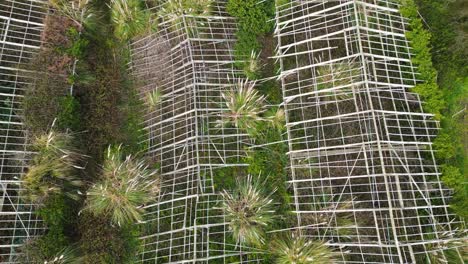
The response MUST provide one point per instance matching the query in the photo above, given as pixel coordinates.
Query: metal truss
(363, 172)
(188, 64)
(21, 24)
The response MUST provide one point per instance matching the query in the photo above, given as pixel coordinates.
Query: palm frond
(294, 249)
(52, 169)
(32, 251)
(338, 74)
(130, 19)
(243, 106)
(252, 65)
(248, 211)
(453, 247)
(174, 10)
(66, 256)
(277, 118)
(126, 185)
(154, 98)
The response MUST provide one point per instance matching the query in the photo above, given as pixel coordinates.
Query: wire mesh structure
(363, 171)
(181, 73)
(20, 38)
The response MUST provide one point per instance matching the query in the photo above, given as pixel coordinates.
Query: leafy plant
(154, 98)
(130, 19)
(252, 66)
(243, 106)
(126, 185)
(52, 168)
(79, 11)
(248, 211)
(294, 249)
(277, 118)
(68, 117)
(452, 249)
(174, 10)
(32, 252)
(337, 74)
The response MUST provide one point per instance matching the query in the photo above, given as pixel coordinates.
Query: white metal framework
(187, 65)
(363, 171)
(20, 37)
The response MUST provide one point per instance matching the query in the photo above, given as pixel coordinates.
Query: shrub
(294, 249)
(126, 185)
(444, 146)
(68, 116)
(102, 243)
(252, 15)
(420, 42)
(243, 106)
(253, 19)
(248, 211)
(32, 252)
(52, 168)
(130, 19)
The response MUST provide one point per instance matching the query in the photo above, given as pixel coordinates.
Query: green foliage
(79, 44)
(33, 252)
(248, 210)
(79, 11)
(420, 42)
(452, 177)
(52, 169)
(253, 22)
(244, 106)
(68, 117)
(130, 19)
(295, 249)
(126, 184)
(251, 15)
(174, 10)
(445, 146)
(153, 98)
(444, 91)
(102, 243)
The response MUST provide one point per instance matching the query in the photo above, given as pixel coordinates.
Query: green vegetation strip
(444, 92)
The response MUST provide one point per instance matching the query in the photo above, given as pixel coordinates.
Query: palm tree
(52, 169)
(130, 19)
(294, 249)
(248, 211)
(244, 106)
(126, 185)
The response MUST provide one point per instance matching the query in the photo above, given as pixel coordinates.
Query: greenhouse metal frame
(363, 175)
(21, 24)
(363, 171)
(189, 64)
